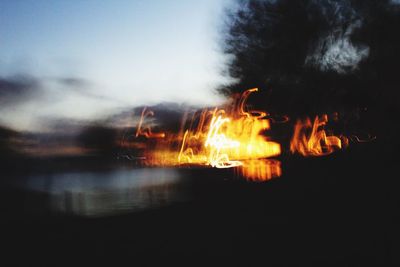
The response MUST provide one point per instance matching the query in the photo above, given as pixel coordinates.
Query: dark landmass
(340, 210)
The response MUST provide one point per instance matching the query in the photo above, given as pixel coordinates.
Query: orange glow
(146, 131)
(224, 139)
(310, 139)
(230, 136)
(259, 170)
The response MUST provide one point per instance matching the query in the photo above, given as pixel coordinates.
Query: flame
(317, 142)
(222, 137)
(233, 136)
(141, 131)
(217, 142)
(228, 137)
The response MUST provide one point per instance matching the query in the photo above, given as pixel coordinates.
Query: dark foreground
(340, 210)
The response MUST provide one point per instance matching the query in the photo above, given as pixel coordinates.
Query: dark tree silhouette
(6, 135)
(312, 56)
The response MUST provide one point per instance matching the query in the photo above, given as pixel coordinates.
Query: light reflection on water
(120, 191)
(107, 193)
(260, 170)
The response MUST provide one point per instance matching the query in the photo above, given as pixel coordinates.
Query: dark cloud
(73, 82)
(17, 89)
(83, 87)
(21, 88)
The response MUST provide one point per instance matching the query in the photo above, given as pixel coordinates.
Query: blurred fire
(233, 136)
(226, 137)
(220, 137)
(311, 139)
(146, 131)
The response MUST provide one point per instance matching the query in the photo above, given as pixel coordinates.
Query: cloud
(17, 89)
(82, 87)
(21, 88)
(73, 82)
(26, 101)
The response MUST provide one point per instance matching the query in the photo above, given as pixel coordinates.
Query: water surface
(108, 192)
